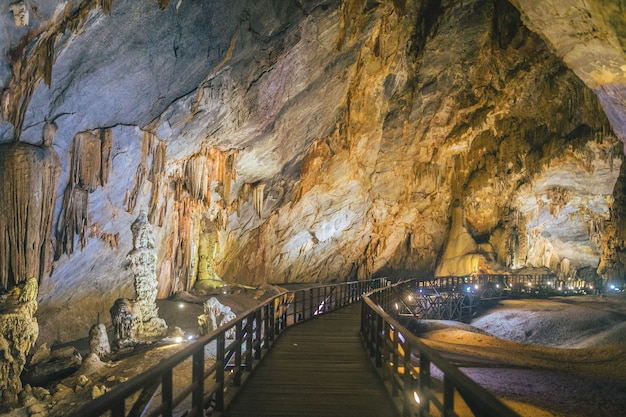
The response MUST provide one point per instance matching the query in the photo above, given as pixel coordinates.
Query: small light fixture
(416, 397)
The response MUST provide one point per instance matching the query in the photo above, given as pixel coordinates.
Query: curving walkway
(318, 368)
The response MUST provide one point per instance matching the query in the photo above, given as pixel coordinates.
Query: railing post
(448, 396)
(167, 393)
(295, 306)
(385, 355)
(406, 381)
(248, 332)
(372, 327)
(238, 338)
(424, 385)
(270, 322)
(117, 409)
(312, 309)
(197, 376)
(219, 371)
(379, 340)
(259, 333)
(394, 371)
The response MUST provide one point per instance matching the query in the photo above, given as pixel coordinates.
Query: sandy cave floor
(564, 356)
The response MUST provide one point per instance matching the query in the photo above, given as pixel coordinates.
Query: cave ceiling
(322, 140)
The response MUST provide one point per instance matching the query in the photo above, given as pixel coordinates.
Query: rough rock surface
(323, 139)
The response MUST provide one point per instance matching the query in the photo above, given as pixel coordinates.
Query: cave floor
(575, 371)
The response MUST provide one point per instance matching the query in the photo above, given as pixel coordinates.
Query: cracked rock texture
(322, 140)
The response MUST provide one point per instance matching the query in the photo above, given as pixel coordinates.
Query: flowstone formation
(215, 315)
(29, 176)
(462, 255)
(18, 333)
(143, 262)
(208, 279)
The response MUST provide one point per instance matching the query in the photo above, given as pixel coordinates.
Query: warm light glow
(181, 305)
(396, 305)
(416, 397)
(178, 339)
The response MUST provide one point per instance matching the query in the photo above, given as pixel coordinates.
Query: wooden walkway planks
(318, 368)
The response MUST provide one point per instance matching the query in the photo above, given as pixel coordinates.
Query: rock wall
(315, 140)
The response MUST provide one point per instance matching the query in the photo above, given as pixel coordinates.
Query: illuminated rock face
(322, 140)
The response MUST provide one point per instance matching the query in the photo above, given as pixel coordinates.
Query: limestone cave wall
(309, 141)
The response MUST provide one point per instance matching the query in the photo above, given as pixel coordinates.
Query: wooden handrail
(395, 350)
(256, 331)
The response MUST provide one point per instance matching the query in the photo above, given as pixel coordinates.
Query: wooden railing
(209, 385)
(406, 364)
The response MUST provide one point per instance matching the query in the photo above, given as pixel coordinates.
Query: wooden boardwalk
(318, 368)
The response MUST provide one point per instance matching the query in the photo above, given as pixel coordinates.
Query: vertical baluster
(295, 307)
(259, 334)
(220, 364)
(424, 385)
(394, 371)
(407, 388)
(379, 340)
(167, 393)
(197, 396)
(238, 338)
(117, 409)
(248, 332)
(448, 396)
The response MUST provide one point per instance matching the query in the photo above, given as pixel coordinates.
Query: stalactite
(147, 149)
(85, 175)
(197, 177)
(32, 63)
(29, 176)
(559, 197)
(106, 6)
(106, 148)
(85, 160)
(163, 4)
(229, 175)
(257, 197)
(48, 60)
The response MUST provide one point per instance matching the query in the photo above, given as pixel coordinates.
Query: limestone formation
(99, 340)
(462, 256)
(215, 315)
(125, 323)
(18, 333)
(207, 248)
(326, 141)
(20, 13)
(143, 261)
(29, 176)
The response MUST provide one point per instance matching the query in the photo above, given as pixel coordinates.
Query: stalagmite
(18, 333)
(125, 323)
(207, 247)
(99, 340)
(215, 315)
(143, 262)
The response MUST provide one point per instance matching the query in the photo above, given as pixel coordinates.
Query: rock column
(143, 261)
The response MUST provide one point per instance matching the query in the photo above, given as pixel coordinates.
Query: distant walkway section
(318, 368)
